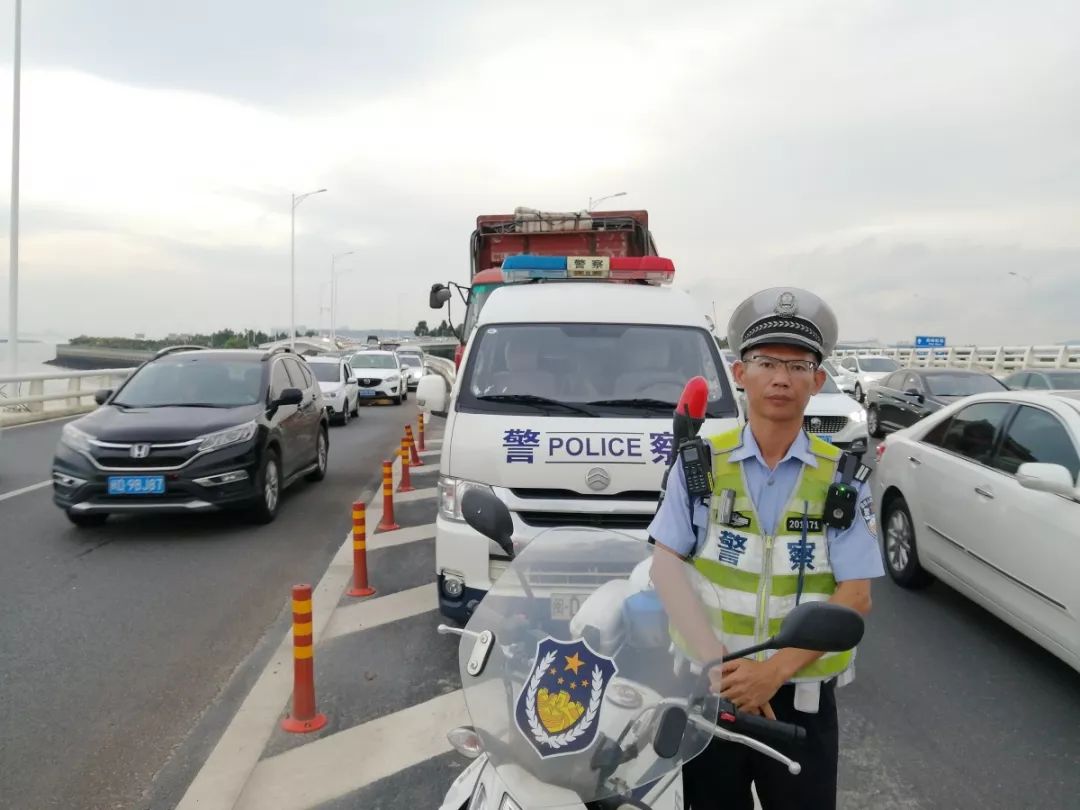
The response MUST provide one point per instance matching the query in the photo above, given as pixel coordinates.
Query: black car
(195, 430)
(1044, 379)
(910, 394)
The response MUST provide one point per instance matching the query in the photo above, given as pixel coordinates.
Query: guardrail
(443, 367)
(997, 360)
(46, 391)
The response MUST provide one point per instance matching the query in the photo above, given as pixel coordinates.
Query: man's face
(778, 394)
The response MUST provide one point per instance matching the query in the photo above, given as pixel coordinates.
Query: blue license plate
(367, 392)
(136, 484)
(825, 438)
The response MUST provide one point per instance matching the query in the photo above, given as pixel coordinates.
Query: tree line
(444, 329)
(221, 339)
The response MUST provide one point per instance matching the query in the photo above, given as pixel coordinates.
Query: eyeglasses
(771, 365)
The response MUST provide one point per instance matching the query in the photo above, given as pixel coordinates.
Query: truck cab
(563, 409)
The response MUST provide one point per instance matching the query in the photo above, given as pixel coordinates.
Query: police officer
(764, 540)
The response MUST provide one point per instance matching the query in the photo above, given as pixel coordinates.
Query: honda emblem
(140, 450)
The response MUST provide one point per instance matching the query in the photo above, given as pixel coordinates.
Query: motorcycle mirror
(820, 626)
(667, 740)
(482, 510)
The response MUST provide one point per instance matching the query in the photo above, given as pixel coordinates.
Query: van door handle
(914, 460)
(984, 492)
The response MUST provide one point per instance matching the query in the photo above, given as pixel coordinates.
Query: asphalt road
(116, 640)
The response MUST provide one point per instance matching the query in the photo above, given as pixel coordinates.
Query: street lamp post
(296, 200)
(333, 294)
(13, 236)
(593, 203)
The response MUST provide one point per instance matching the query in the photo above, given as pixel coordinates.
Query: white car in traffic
(857, 374)
(412, 360)
(837, 418)
(983, 495)
(380, 375)
(339, 388)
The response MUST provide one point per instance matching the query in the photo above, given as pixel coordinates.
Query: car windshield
(878, 364)
(961, 385)
(597, 369)
(829, 387)
(829, 368)
(1064, 379)
(370, 360)
(410, 360)
(194, 379)
(326, 372)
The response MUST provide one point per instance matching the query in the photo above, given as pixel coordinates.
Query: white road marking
(336, 765)
(382, 610)
(415, 495)
(40, 485)
(399, 537)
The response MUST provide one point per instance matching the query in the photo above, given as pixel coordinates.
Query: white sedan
(837, 418)
(857, 373)
(983, 495)
(338, 385)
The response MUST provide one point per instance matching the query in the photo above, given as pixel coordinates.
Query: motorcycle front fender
(462, 789)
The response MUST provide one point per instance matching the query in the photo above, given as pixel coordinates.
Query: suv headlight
(451, 491)
(76, 439)
(224, 438)
(393, 378)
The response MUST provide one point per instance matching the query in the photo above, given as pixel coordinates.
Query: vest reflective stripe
(757, 576)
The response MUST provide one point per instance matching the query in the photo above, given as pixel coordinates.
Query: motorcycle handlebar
(760, 728)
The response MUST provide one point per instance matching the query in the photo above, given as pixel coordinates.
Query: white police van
(563, 407)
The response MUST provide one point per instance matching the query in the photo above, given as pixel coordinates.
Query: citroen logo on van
(597, 478)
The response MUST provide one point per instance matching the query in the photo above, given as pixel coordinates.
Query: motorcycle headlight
(451, 491)
(229, 436)
(76, 439)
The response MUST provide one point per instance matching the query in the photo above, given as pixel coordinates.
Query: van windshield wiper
(538, 401)
(645, 403)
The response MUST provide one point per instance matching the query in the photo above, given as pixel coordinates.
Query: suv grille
(615, 522)
(824, 424)
(369, 382)
(115, 458)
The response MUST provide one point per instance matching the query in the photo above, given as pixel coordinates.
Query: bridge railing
(33, 397)
(999, 360)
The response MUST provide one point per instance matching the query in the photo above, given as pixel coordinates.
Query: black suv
(195, 430)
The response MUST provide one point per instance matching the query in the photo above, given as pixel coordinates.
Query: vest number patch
(814, 525)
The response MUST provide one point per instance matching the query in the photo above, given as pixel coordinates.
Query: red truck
(539, 233)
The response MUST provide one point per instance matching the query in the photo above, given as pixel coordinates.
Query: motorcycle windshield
(585, 677)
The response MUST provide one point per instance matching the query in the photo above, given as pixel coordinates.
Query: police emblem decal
(866, 507)
(559, 705)
(787, 304)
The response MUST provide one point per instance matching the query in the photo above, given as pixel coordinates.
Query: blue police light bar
(527, 266)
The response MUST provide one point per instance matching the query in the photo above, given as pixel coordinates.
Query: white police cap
(785, 315)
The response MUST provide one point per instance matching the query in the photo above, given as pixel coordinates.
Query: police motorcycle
(576, 683)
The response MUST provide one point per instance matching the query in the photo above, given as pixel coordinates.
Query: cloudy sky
(902, 158)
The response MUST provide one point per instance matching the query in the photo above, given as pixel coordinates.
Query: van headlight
(229, 436)
(76, 439)
(451, 491)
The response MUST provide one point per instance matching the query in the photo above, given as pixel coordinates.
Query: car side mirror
(820, 626)
(438, 296)
(351, 381)
(289, 396)
(431, 394)
(102, 396)
(1052, 478)
(485, 513)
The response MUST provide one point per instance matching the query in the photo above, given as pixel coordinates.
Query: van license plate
(564, 606)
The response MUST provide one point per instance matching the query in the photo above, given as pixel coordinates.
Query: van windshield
(605, 370)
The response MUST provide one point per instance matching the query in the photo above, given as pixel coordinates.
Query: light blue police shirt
(853, 552)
